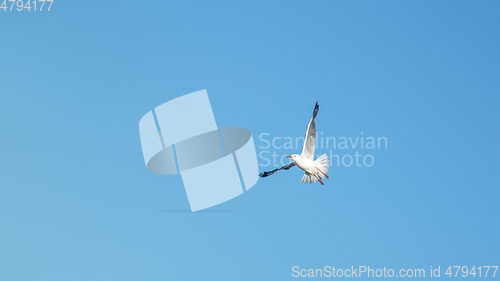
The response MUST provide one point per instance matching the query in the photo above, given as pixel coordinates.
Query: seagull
(315, 170)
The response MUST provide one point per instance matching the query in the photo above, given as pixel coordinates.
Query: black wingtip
(316, 109)
(265, 174)
(286, 167)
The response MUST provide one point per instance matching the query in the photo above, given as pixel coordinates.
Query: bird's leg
(323, 174)
(318, 179)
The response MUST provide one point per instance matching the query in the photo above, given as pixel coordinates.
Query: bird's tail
(323, 164)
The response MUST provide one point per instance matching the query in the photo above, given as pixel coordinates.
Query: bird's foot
(327, 177)
(318, 179)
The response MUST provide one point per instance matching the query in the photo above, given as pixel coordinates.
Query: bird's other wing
(310, 140)
(286, 167)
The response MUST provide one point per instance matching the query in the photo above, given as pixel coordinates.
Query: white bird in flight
(315, 170)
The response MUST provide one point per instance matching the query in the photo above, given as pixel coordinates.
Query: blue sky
(77, 203)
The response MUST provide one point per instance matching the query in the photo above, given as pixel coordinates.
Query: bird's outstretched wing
(310, 140)
(266, 174)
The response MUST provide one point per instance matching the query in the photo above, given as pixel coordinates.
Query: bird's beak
(289, 156)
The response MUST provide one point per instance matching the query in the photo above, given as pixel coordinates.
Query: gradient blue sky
(77, 203)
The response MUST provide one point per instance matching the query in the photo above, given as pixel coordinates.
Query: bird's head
(294, 157)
